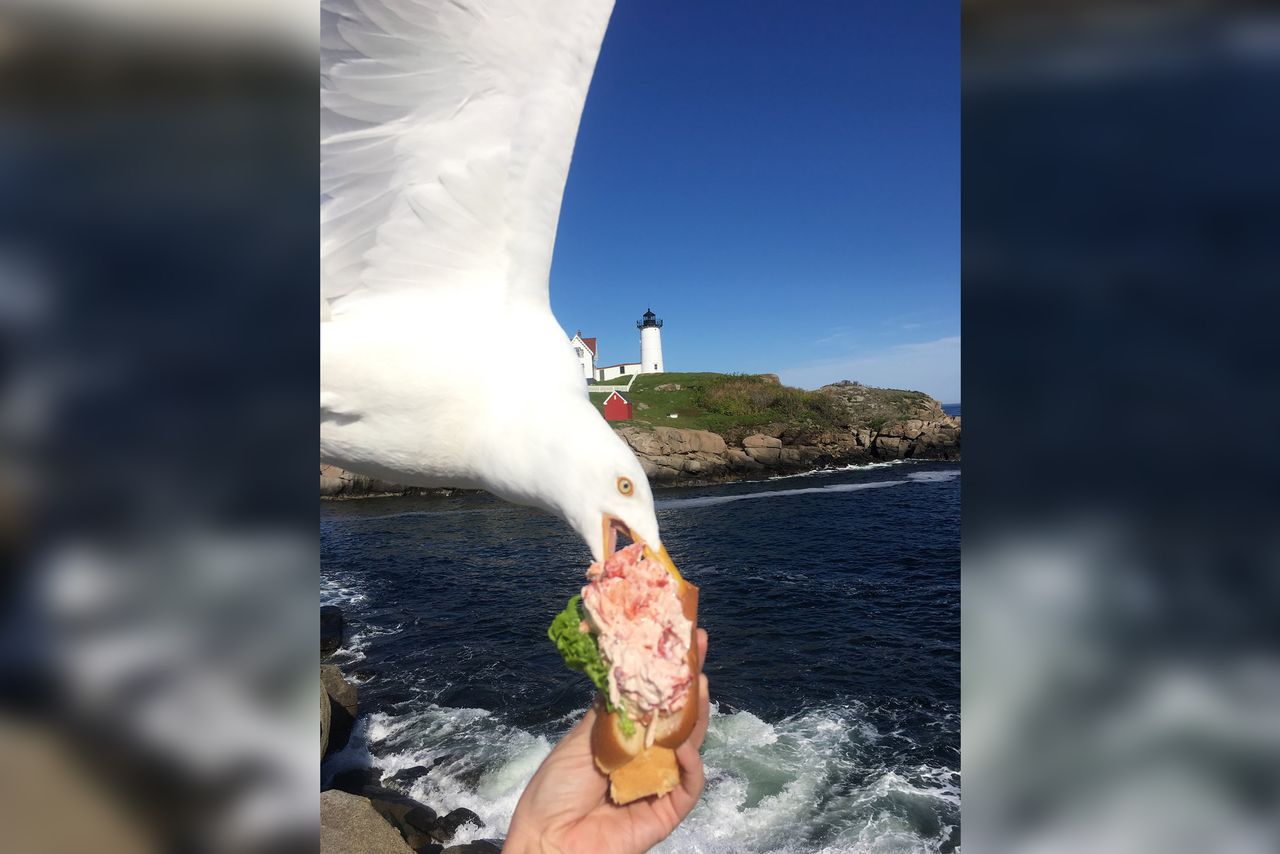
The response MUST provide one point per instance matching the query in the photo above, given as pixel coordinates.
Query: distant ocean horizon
(952, 409)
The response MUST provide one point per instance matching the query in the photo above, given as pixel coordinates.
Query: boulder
(342, 706)
(740, 460)
(765, 455)
(772, 379)
(415, 822)
(350, 825)
(324, 720)
(448, 825)
(668, 387)
(332, 628)
(759, 440)
(408, 776)
(641, 405)
(890, 447)
(676, 440)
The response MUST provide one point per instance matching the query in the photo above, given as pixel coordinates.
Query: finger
(584, 724)
(699, 732)
(702, 648)
(692, 779)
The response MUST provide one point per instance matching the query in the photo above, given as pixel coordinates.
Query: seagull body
(447, 128)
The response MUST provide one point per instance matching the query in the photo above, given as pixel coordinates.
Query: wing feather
(447, 129)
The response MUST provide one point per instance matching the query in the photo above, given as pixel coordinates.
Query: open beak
(612, 526)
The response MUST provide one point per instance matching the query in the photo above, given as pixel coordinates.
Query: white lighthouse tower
(650, 343)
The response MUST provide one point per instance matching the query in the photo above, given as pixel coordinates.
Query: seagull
(447, 127)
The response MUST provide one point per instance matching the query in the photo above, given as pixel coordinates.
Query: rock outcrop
(350, 825)
(324, 720)
(343, 706)
(872, 430)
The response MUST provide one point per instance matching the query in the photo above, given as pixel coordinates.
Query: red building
(616, 408)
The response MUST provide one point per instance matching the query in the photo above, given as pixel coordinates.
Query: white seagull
(447, 127)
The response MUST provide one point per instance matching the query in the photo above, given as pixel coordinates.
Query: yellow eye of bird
(625, 486)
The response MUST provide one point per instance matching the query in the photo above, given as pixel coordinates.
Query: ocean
(832, 601)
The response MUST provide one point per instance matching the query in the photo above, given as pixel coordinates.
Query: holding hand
(566, 806)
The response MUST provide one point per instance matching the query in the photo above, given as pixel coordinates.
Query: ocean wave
(814, 781)
(838, 469)
(811, 782)
(335, 591)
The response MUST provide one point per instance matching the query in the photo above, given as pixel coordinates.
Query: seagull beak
(612, 526)
(663, 558)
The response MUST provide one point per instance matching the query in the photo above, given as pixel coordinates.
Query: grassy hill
(720, 402)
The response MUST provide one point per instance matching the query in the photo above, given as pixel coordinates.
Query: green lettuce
(580, 651)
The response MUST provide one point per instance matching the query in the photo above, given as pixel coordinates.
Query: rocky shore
(865, 430)
(673, 454)
(360, 811)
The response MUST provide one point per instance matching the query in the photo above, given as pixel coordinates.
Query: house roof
(591, 344)
(614, 394)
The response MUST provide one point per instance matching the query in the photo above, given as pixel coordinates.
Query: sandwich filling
(633, 608)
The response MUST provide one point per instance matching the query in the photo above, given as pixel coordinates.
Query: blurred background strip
(157, 425)
(1121, 210)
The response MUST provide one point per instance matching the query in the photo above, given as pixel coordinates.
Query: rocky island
(692, 428)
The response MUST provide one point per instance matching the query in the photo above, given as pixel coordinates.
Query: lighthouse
(650, 343)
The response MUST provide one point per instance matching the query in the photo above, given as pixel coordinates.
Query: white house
(585, 350)
(650, 353)
(609, 372)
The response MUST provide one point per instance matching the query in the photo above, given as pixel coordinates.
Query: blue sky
(780, 182)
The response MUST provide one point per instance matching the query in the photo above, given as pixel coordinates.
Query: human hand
(566, 806)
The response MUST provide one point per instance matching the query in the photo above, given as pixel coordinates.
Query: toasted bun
(634, 771)
(654, 772)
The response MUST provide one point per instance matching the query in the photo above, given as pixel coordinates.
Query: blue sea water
(832, 602)
(951, 409)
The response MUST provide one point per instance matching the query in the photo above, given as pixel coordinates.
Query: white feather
(447, 129)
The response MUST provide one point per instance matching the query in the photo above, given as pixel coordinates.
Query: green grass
(720, 402)
(622, 380)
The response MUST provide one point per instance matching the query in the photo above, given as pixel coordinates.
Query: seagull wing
(447, 127)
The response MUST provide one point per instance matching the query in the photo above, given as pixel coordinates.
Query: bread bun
(634, 771)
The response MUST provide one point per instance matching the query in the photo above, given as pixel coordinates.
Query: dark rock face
(342, 707)
(332, 629)
(350, 825)
(355, 781)
(406, 777)
(449, 824)
(415, 822)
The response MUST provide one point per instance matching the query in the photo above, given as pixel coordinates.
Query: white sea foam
(837, 469)
(712, 500)
(934, 476)
(789, 786)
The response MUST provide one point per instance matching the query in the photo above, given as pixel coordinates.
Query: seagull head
(600, 489)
